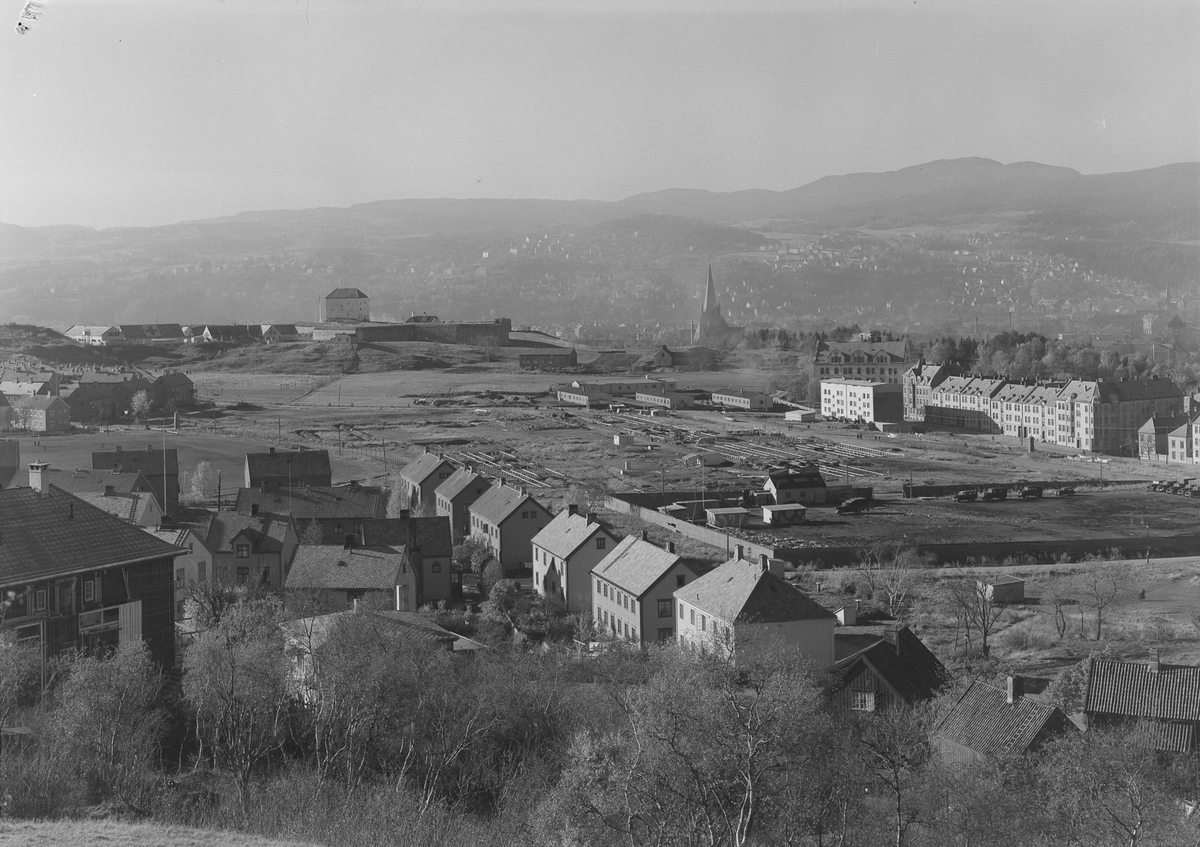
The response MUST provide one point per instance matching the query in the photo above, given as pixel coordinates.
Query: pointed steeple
(711, 306)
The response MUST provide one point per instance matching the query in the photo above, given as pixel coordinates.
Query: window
(605, 586)
(89, 591)
(180, 576)
(337, 529)
(436, 567)
(666, 634)
(627, 629)
(703, 624)
(243, 576)
(525, 515)
(201, 567)
(39, 600)
(625, 601)
(600, 543)
(692, 616)
(243, 551)
(664, 608)
(681, 612)
(680, 581)
(862, 701)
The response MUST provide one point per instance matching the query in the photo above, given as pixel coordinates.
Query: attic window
(862, 701)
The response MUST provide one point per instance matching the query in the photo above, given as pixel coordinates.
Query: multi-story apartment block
(861, 399)
(964, 402)
(919, 382)
(885, 361)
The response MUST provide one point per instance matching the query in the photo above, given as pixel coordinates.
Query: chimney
(38, 473)
(110, 491)
(272, 450)
(670, 546)
(572, 509)
(503, 481)
(849, 615)
(1016, 689)
(253, 510)
(741, 552)
(645, 535)
(1155, 662)
(591, 517)
(764, 562)
(890, 631)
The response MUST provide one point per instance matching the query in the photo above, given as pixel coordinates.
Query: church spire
(711, 306)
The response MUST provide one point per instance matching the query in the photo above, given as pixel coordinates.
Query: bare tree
(975, 608)
(1100, 588)
(1059, 594)
(892, 571)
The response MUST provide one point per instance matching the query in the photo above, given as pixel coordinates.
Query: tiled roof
(1139, 389)
(311, 633)
(1133, 689)
(566, 533)
(266, 532)
(175, 536)
(149, 462)
(41, 402)
(742, 592)
(345, 294)
(81, 480)
(424, 466)
(984, 721)
(311, 501)
(332, 566)
(130, 507)
(635, 565)
(282, 463)
(57, 533)
(422, 536)
(462, 480)
(499, 502)
(908, 666)
(892, 349)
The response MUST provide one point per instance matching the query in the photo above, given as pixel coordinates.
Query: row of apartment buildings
(1098, 415)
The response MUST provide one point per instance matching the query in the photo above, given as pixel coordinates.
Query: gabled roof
(423, 467)
(499, 502)
(266, 532)
(332, 566)
(177, 536)
(908, 666)
(149, 462)
(132, 507)
(420, 536)
(173, 378)
(346, 294)
(283, 463)
(311, 633)
(82, 480)
(1136, 690)
(462, 480)
(310, 501)
(41, 402)
(984, 721)
(797, 478)
(42, 535)
(635, 565)
(567, 533)
(742, 592)
(1128, 390)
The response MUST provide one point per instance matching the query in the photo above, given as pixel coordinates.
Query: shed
(731, 516)
(785, 514)
(800, 415)
(703, 460)
(623, 439)
(1004, 589)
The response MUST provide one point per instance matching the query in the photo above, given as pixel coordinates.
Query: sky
(144, 112)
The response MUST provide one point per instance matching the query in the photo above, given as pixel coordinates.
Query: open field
(117, 834)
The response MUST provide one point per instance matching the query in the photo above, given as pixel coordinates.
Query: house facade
(76, 578)
(564, 554)
(44, 415)
(745, 613)
(919, 382)
(865, 400)
(422, 476)
(796, 485)
(633, 591)
(347, 304)
(507, 519)
(736, 398)
(883, 361)
(878, 667)
(455, 496)
(335, 577)
(251, 551)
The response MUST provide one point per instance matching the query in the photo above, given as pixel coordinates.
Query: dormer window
(242, 551)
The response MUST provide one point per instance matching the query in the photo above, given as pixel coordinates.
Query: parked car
(1031, 492)
(995, 494)
(967, 495)
(1068, 491)
(853, 506)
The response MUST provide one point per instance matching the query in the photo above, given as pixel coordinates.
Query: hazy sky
(137, 112)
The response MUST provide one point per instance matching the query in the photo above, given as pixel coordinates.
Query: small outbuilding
(784, 514)
(1004, 589)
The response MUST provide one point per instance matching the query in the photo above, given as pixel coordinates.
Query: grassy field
(116, 834)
